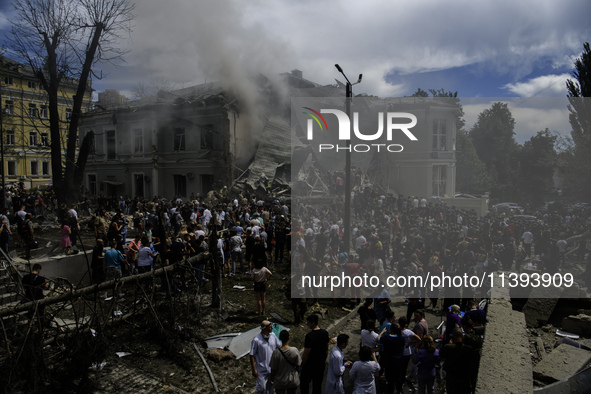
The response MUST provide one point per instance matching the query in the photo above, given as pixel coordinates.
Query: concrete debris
(277, 317)
(579, 324)
(220, 341)
(316, 308)
(218, 355)
(561, 363)
(540, 305)
(571, 342)
(539, 345)
(238, 343)
(579, 383)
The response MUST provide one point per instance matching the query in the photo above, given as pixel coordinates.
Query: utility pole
(347, 217)
(2, 149)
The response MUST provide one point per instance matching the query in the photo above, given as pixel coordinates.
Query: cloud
(188, 42)
(547, 85)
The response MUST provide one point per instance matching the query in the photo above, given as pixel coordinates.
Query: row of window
(139, 180)
(10, 81)
(35, 139)
(42, 112)
(138, 140)
(11, 169)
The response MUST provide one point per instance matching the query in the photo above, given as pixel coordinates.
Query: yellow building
(24, 119)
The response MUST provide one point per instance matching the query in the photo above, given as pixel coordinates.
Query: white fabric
(336, 369)
(262, 350)
(362, 374)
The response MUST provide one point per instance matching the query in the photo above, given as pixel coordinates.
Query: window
(45, 168)
(207, 137)
(111, 147)
(44, 139)
(9, 137)
(32, 84)
(9, 107)
(439, 134)
(180, 185)
(206, 183)
(179, 139)
(35, 168)
(439, 180)
(11, 168)
(68, 113)
(33, 138)
(92, 184)
(138, 140)
(8, 80)
(32, 110)
(43, 112)
(139, 185)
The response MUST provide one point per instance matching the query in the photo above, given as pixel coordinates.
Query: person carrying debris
(261, 350)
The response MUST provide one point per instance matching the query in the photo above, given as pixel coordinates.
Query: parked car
(507, 207)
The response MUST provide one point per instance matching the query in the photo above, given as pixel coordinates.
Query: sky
(486, 48)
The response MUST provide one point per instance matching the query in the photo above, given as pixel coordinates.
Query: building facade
(170, 145)
(24, 120)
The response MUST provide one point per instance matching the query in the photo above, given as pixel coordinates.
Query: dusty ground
(158, 361)
(151, 369)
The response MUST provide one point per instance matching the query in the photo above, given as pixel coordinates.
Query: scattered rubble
(563, 362)
(579, 324)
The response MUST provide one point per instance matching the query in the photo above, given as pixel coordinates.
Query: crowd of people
(388, 359)
(389, 236)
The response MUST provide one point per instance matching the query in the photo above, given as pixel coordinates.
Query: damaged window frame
(179, 139)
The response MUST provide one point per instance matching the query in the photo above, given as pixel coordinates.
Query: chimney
(297, 73)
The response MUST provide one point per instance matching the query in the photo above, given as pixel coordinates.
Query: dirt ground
(153, 361)
(136, 358)
(150, 368)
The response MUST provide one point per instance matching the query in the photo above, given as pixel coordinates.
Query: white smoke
(189, 42)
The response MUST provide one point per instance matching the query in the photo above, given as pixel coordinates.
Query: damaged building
(187, 142)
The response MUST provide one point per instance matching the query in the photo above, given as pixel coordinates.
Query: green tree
(578, 168)
(471, 174)
(63, 40)
(493, 138)
(537, 162)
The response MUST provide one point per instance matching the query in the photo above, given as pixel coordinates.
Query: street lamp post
(2, 151)
(347, 217)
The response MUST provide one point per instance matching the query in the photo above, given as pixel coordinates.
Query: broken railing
(79, 320)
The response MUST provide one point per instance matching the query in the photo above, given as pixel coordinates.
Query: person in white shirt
(527, 238)
(363, 373)
(369, 338)
(261, 349)
(336, 367)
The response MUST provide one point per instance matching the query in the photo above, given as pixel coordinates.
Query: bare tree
(62, 41)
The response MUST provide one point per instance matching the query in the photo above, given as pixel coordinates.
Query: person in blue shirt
(113, 259)
(426, 359)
